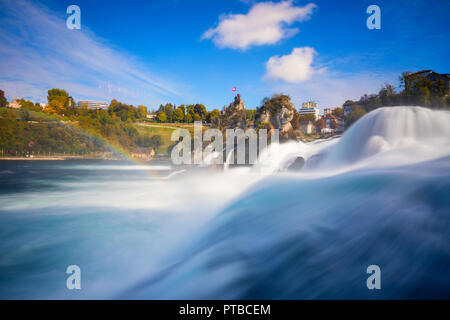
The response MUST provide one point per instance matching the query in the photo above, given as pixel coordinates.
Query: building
(93, 104)
(307, 127)
(143, 154)
(310, 107)
(151, 116)
(333, 124)
(348, 107)
(70, 102)
(327, 111)
(15, 104)
(434, 77)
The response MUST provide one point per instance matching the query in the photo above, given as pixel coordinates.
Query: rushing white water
(376, 195)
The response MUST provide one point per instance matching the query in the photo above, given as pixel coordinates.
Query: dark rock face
(297, 165)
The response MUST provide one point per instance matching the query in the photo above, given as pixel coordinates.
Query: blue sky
(196, 51)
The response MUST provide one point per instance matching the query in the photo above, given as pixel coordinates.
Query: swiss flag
(234, 89)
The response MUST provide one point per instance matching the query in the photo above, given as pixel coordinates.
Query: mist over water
(377, 195)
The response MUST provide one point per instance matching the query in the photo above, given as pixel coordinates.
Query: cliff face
(234, 115)
(278, 112)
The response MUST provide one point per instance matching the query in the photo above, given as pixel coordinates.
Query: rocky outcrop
(278, 113)
(234, 115)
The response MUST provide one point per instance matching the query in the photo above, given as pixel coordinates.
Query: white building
(310, 107)
(93, 104)
(327, 112)
(15, 104)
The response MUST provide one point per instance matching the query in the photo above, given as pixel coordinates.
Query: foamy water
(377, 195)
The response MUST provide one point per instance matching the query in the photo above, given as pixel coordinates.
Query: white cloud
(294, 67)
(38, 52)
(265, 23)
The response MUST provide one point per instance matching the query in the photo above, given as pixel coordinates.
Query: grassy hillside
(164, 131)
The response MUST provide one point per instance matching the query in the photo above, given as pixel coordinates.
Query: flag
(234, 89)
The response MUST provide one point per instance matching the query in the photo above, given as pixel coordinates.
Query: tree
(295, 122)
(3, 101)
(334, 124)
(29, 105)
(123, 111)
(178, 115)
(212, 116)
(321, 124)
(338, 112)
(250, 114)
(142, 111)
(58, 95)
(188, 118)
(55, 107)
(197, 117)
(308, 117)
(161, 116)
(168, 110)
(356, 113)
(200, 109)
(156, 141)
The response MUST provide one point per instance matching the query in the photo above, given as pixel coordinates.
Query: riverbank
(62, 158)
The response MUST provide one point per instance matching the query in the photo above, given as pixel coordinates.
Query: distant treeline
(61, 127)
(418, 91)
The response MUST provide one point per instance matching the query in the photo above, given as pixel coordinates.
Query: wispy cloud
(265, 23)
(38, 52)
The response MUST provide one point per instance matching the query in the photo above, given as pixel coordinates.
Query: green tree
(197, 117)
(3, 101)
(295, 122)
(168, 109)
(250, 114)
(58, 95)
(55, 107)
(178, 115)
(156, 141)
(308, 117)
(123, 111)
(162, 117)
(356, 113)
(213, 116)
(200, 109)
(142, 112)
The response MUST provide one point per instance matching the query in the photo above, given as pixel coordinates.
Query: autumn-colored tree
(58, 95)
(55, 107)
(321, 124)
(334, 124)
(338, 112)
(161, 116)
(213, 116)
(142, 111)
(188, 118)
(178, 115)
